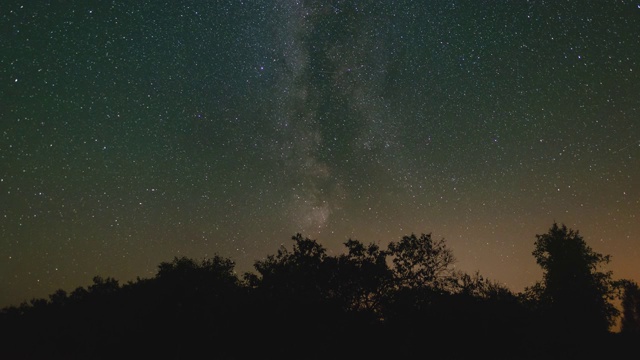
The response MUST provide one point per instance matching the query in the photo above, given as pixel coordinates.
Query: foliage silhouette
(405, 300)
(630, 323)
(420, 262)
(363, 278)
(575, 296)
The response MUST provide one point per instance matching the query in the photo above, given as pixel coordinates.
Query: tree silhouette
(216, 271)
(574, 295)
(294, 289)
(402, 301)
(363, 279)
(477, 286)
(422, 278)
(102, 286)
(630, 323)
(422, 262)
(301, 272)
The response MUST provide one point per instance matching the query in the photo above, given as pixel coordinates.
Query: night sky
(135, 131)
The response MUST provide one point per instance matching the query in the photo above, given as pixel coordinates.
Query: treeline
(402, 301)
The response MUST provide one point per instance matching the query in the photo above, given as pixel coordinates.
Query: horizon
(239, 271)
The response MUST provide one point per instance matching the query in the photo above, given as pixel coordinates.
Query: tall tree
(575, 295)
(630, 307)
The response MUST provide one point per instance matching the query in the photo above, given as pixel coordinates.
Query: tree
(574, 294)
(422, 282)
(478, 287)
(58, 298)
(302, 272)
(217, 270)
(363, 277)
(295, 289)
(420, 262)
(102, 286)
(630, 323)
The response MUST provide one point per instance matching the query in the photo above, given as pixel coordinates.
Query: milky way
(135, 132)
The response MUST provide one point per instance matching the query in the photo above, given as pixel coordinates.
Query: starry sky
(135, 131)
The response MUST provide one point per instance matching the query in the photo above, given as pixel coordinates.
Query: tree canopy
(403, 300)
(574, 292)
